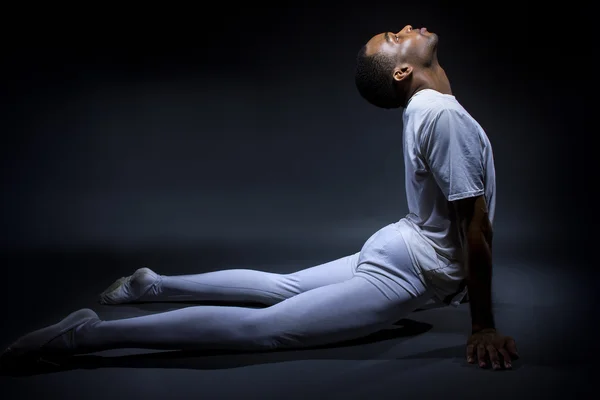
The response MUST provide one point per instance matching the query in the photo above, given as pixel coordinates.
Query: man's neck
(432, 78)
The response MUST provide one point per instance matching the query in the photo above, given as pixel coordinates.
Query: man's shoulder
(432, 108)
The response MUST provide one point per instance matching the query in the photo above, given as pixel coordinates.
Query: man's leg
(385, 288)
(235, 285)
(325, 315)
(328, 314)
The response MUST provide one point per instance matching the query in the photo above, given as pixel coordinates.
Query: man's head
(391, 65)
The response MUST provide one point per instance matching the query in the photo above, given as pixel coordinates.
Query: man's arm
(475, 233)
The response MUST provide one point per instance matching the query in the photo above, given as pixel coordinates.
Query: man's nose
(407, 27)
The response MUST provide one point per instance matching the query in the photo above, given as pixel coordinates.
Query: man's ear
(402, 72)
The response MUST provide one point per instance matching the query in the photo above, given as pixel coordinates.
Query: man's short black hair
(374, 80)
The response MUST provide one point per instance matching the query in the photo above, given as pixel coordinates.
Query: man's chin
(431, 36)
(433, 41)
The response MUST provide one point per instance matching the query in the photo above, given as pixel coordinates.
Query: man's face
(416, 47)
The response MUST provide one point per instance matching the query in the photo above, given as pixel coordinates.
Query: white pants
(344, 299)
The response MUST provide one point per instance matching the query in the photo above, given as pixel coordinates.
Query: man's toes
(114, 293)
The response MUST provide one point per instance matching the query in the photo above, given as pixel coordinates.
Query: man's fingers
(481, 355)
(511, 346)
(506, 357)
(470, 353)
(494, 359)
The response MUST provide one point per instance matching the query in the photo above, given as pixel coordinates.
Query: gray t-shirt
(447, 157)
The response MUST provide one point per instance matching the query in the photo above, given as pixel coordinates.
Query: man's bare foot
(130, 289)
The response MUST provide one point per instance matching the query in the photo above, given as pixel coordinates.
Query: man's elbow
(479, 240)
(482, 230)
(480, 233)
(474, 222)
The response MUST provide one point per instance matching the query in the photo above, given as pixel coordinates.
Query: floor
(539, 303)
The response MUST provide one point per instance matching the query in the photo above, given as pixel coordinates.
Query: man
(444, 241)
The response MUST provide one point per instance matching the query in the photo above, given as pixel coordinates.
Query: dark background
(243, 122)
(186, 139)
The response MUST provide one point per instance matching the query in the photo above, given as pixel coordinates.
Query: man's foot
(57, 339)
(130, 289)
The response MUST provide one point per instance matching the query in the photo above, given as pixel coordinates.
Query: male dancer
(443, 242)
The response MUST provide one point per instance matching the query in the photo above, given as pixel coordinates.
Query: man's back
(447, 156)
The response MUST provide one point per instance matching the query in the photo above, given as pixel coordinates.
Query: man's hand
(489, 344)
